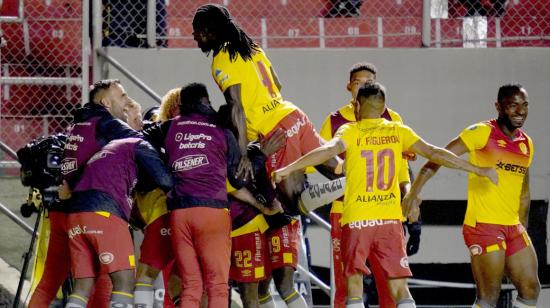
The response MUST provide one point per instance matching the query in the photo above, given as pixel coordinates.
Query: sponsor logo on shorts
(295, 129)
(336, 245)
(165, 231)
(77, 230)
(190, 162)
(404, 262)
(246, 273)
(106, 257)
(475, 250)
(359, 224)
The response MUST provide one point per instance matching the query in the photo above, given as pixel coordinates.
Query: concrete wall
(437, 91)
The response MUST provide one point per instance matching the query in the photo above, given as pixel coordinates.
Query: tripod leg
(27, 256)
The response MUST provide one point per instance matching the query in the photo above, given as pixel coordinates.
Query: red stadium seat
(180, 33)
(402, 32)
(396, 8)
(52, 9)
(55, 42)
(528, 31)
(450, 31)
(275, 8)
(18, 131)
(525, 8)
(186, 8)
(350, 32)
(15, 50)
(293, 32)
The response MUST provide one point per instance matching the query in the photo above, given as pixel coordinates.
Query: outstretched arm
(438, 156)
(315, 157)
(456, 146)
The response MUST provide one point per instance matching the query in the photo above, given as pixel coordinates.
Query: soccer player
(202, 155)
(359, 74)
(372, 208)
(98, 122)
(496, 217)
(99, 240)
(249, 249)
(252, 90)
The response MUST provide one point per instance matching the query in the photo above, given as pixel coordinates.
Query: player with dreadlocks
(252, 90)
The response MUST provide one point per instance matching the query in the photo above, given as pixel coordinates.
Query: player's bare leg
(81, 292)
(355, 291)
(123, 288)
(264, 296)
(400, 292)
(144, 293)
(488, 270)
(249, 294)
(522, 268)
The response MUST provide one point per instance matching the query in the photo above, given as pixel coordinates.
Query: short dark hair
(362, 66)
(508, 90)
(191, 96)
(100, 86)
(372, 88)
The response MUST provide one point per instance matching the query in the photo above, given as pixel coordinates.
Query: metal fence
(339, 23)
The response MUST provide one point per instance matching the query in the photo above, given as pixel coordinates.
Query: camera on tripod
(40, 163)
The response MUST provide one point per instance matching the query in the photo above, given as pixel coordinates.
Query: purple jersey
(81, 144)
(197, 156)
(113, 171)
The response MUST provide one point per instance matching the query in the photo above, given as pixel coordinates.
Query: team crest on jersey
(106, 257)
(523, 148)
(501, 143)
(190, 162)
(217, 72)
(475, 250)
(404, 262)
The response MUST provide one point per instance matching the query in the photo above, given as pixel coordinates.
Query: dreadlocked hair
(233, 39)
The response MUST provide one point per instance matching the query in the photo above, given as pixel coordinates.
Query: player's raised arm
(315, 157)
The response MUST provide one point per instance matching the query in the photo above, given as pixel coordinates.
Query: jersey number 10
(382, 165)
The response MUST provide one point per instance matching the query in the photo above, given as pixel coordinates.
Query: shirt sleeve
(408, 136)
(233, 157)
(531, 150)
(475, 136)
(225, 72)
(344, 133)
(148, 161)
(326, 129)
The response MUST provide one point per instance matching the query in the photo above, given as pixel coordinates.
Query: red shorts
(485, 238)
(156, 248)
(301, 139)
(99, 244)
(380, 241)
(283, 245)
(248, 257)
